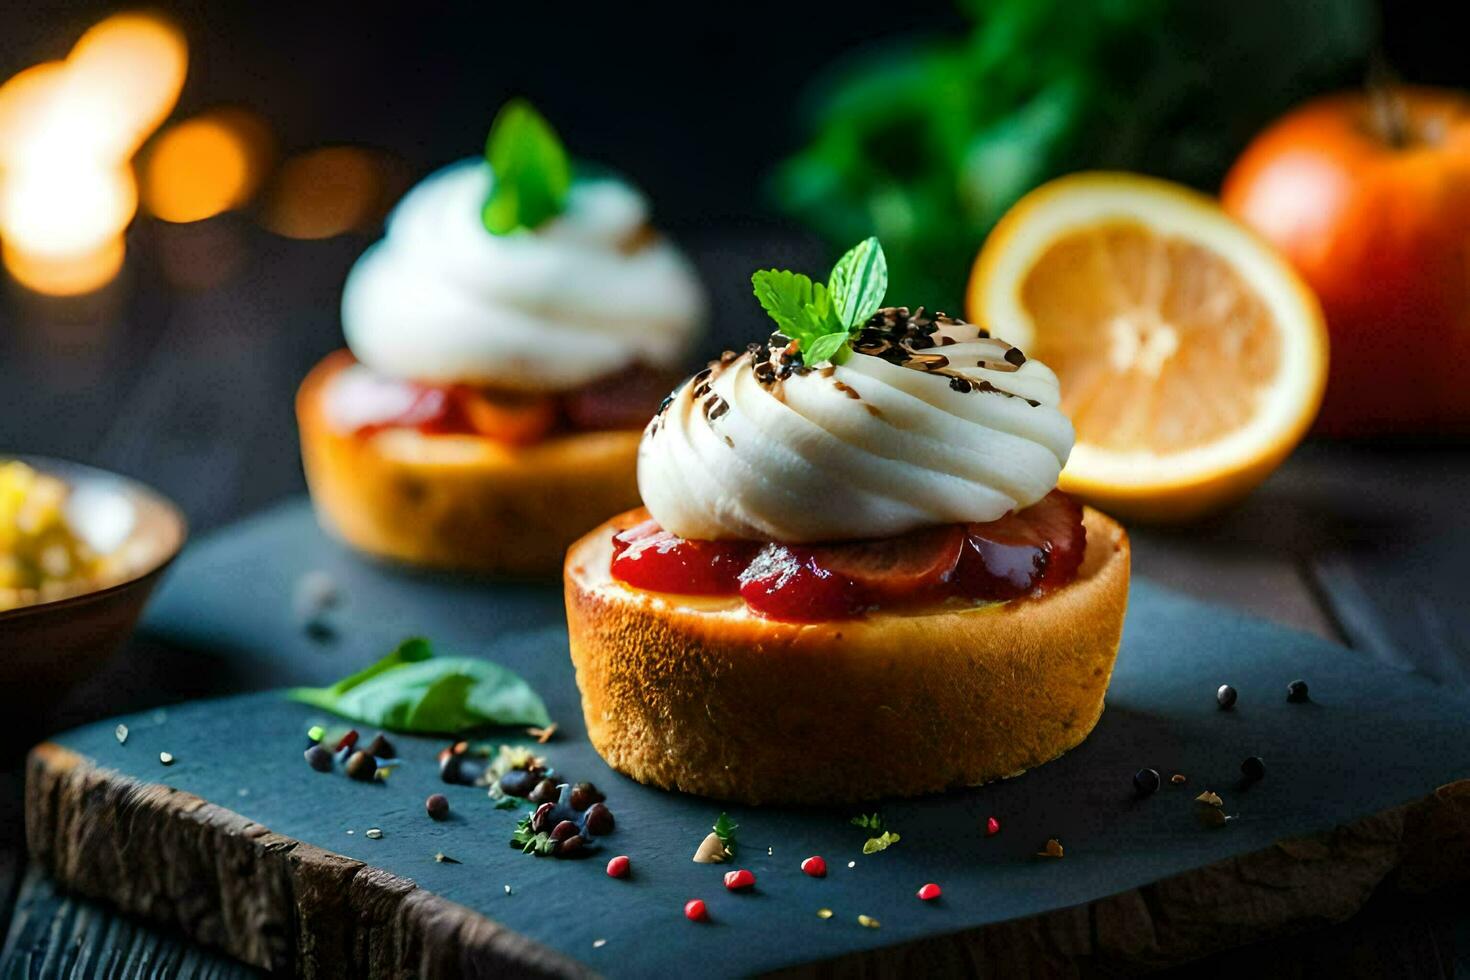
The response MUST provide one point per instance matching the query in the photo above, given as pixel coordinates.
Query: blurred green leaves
(926, 144)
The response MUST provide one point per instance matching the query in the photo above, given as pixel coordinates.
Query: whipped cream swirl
(930, 421)
(441, 300)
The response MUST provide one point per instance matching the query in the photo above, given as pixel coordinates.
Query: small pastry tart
(704, 695)
(459, 500)
(505, 351)
(854, 576)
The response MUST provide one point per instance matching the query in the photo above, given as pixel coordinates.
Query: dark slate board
(1372, 738)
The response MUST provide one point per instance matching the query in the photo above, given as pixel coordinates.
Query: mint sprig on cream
(532, 171)
(822, 318)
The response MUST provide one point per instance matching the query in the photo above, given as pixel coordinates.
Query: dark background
(191, 389)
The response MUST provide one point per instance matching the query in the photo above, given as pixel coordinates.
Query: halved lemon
(1192, 358)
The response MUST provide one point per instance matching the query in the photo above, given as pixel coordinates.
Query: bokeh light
(331, 191)
(68, 131)
(205, 165)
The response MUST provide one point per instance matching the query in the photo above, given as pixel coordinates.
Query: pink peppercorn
(694, 910)
(815, 866)
(736, 880)
(992, 827)
(618, 867)
(929, 892)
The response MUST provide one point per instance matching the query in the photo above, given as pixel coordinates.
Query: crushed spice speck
(868, 922)
(122, 734)
(824, 913)
(374, 833)
(166, 758)
(1053, 849)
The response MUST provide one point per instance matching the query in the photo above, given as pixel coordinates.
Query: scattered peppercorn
(563, 830)
(992, 826)
(381, 748)
(541, 819)
(815, 866)
(437, 806)
(362, 766)
(1146, 782)
(570, 846)
(929, 892)
(543, 792)
(1296, 692)
(319, 758)
(618, 867)
(739, 880)
(1177, 779)
(599, 819)
(1253, 769)
(695, 911)
(584, 795)
(1225, 697)
(518, 782)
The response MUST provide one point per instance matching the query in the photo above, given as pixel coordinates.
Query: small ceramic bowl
(47, 647)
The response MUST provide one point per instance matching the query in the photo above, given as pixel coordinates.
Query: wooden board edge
(176, 860)
(1293, 886)
(172, 858)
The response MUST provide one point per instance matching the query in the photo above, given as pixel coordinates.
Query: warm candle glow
(205, 165)
(330, 191)
(68, 131)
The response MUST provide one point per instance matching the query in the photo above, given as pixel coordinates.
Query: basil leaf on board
(411, 690)
(532, 174)
(858, 282)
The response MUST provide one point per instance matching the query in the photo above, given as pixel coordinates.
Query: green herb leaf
(822, 318)
(880, 843)
(858, 283)
(871, 821)
(532, 174)
(823, 348)
(507, 803)
(724, 829)
(411, 690)
(785, 296)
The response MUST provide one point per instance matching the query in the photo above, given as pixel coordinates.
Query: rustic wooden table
(190, 390)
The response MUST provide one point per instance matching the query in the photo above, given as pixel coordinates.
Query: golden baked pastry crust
(708, 698)
(461, 502)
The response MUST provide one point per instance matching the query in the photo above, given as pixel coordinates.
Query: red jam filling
(626, 400)
(1024, 553)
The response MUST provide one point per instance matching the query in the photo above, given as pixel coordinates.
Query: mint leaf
(784, 296)
(411, 690)
(823, 348)
(858, 282)
(532, 174)
(821, 318)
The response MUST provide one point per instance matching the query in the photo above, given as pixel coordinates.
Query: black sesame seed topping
(1015, 356)
(961, 384)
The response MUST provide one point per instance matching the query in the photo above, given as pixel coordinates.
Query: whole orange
(1368, 195)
